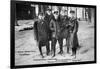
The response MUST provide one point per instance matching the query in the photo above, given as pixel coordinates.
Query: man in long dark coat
(41, 33)
(73, 29)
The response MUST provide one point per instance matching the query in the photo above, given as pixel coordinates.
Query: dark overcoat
(41, 31)
(55, 27)
(73, 33)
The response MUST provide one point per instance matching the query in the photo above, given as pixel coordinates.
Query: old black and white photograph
(50, 34)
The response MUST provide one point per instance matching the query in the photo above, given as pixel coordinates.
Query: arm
(75, 27)
(35, 30)
(52, 25)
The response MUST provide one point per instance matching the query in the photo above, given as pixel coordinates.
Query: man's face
(72, 15)
(41, 17)
(62, 13)
(65, 12)
(56, 14)
(48, 12)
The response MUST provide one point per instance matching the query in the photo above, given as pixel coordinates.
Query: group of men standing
(58, 26)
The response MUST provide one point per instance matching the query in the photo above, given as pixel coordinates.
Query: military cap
(48, 9)
(72, 11)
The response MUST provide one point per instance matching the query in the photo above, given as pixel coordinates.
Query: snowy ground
(27, 53)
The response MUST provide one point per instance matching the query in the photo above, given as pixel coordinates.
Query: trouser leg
(53, 46)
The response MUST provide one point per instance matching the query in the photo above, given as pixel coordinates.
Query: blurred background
(29, 11)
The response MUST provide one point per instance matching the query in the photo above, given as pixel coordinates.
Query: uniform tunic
(64, 21)
(55, 28)
(41, 31)
(73, 33)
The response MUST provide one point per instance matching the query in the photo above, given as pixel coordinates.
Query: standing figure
(73, 29)
(55, 28)
(64, 27)
(41, 33)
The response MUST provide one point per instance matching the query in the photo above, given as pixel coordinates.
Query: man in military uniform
(64, 21)
(73, 29)
(55, 30)
(41, 32)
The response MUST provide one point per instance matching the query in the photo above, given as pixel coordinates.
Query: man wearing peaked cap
(41, 16)
(73, 33)
(72, 13)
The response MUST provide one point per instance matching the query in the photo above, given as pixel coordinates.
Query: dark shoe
(61, 52)
(73, 54)
(42, 56)
(53, 55)
(48, 53)
(68, 52)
